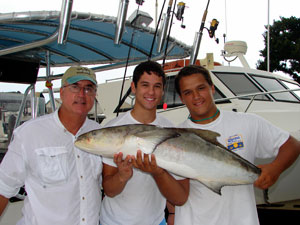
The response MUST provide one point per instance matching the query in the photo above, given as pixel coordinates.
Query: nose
(151, 90)
(82, 92)
(196, 95)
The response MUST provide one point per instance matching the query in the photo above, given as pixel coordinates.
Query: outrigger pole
(198, 37)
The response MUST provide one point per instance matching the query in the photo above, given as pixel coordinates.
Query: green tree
(284, 47)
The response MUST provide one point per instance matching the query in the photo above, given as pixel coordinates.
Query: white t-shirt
(249, 136)
(62, 182)
(140, 202)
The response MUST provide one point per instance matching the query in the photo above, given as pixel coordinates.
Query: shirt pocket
(52, 164)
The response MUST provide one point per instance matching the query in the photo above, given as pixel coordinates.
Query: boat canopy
(90, 40)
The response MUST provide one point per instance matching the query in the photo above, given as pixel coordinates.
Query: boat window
(170, 97)
(271, 84)
(290, 85)
(240, 84)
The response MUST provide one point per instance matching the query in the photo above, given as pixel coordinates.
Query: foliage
(284, 47)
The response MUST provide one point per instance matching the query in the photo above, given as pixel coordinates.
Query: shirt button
(81, 177)
(83, 219)
(78, 156)
(83, 198)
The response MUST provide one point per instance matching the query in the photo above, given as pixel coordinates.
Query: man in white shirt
(248, 135)
(62, 182)
(136, 196)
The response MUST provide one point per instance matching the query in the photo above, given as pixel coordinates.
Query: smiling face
(77, 104)
(197, 95)
(148, 92)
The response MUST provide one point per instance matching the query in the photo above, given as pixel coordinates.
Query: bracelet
(171, 213)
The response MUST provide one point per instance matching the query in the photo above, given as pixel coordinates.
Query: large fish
(190, 153)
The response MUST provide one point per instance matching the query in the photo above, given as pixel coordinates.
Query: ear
(133, 89)
(181, 99)
(60, 91)
(213, 90)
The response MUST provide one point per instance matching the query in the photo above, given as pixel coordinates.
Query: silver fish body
(190, 153)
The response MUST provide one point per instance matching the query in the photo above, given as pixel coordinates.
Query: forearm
(174, 191)
(113, 185)
(3, 203)
(287, 155)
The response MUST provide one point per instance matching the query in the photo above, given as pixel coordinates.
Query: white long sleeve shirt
(62, 182)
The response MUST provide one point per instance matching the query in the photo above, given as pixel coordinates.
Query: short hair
(189, 70)
(148, 67)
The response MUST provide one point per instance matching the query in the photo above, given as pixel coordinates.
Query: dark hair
(148, 67)
(189, 70)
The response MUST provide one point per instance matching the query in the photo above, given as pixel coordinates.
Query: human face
(197, 95)
(148, 92)
(77, 103)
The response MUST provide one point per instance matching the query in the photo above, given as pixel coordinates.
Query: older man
(61, 181)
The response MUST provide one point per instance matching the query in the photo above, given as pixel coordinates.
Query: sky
(238, 19)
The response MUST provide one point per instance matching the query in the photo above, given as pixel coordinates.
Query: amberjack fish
(191, 153)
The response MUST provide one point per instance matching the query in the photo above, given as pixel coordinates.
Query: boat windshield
(243, 84)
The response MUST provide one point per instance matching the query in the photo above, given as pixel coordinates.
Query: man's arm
(171, 208)
(175, 192)
(115, 178)
(287, 155)
(3, 203)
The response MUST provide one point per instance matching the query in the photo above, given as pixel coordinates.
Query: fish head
(100, 142)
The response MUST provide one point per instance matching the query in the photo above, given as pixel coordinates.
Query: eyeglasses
(88, 90)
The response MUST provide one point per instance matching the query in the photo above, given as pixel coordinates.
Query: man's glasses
(88, 90)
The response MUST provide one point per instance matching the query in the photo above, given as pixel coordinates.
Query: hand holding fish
(287, 154)
(124, 166)
(268, 176)
(146, 165)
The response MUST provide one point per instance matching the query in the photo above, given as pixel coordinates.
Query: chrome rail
(23, 105)
(24, 47)
(253, 95)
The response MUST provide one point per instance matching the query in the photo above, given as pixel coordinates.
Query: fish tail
(266, 196)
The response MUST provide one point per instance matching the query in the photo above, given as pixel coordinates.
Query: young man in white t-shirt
(248, 135)
(136, 190)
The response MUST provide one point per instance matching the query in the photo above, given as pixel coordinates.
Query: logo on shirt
(235, 142)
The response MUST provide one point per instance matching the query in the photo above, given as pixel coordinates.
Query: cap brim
(75, 79)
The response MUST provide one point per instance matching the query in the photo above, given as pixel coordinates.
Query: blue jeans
(163, 222)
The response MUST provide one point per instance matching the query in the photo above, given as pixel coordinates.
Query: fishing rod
(121, 101)
(198, 37)
(156, 30)
(127, 60)
(165, 104)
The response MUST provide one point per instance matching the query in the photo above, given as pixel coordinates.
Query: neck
(206, 120)
(143, 116)
(72, 123)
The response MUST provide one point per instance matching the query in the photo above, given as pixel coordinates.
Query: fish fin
(207, 135)
(214, 186)
(156, 137)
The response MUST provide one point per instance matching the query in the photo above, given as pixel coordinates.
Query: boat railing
(252, 95)
(22, 106)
